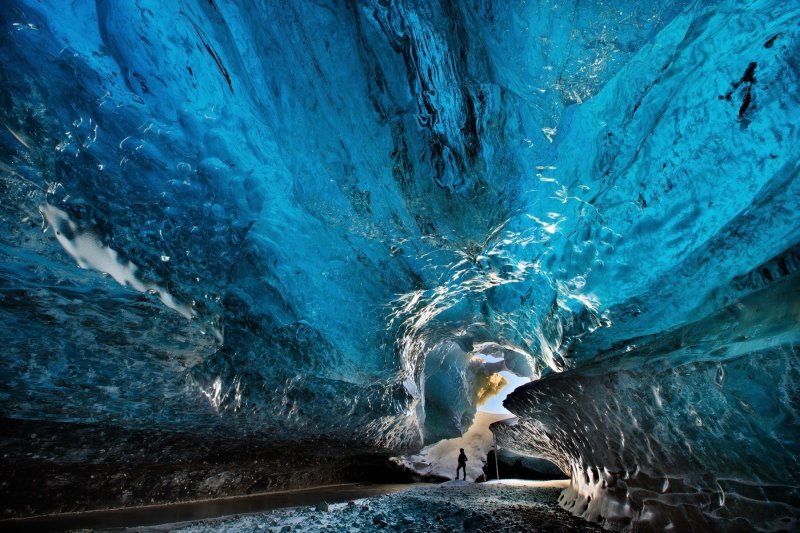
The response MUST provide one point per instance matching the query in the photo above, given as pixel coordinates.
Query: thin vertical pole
(496, 467)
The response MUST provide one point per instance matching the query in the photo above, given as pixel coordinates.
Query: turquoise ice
(312, 218)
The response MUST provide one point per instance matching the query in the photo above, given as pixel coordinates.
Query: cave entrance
(464, 393)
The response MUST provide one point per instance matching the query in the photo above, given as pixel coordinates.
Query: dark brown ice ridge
(59, 467)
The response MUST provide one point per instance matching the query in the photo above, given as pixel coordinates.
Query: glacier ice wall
(319, 190)
(695, 428)
(677, 407)
(306, 219)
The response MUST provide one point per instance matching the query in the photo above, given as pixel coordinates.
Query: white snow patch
(441, 459)
(90, 253)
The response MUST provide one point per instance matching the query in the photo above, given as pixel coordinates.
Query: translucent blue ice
(309, 219)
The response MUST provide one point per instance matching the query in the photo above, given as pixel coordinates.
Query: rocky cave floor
(452, 506)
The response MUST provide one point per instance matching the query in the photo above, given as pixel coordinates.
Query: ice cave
(264, 245)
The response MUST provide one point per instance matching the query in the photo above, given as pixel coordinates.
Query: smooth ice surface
(313, 219)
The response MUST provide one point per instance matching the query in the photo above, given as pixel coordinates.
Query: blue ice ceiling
(308, 218)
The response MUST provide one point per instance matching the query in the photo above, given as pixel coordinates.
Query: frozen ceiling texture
(340, 219)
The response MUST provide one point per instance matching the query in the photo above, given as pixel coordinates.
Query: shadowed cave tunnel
(259, 245)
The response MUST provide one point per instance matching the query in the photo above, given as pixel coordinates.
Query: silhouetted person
(462, 463)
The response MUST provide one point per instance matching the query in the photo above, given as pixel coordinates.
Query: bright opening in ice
(494, 404)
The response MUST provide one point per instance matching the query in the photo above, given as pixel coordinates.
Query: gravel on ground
(454, 506)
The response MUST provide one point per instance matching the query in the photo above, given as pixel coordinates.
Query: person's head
(462, 450)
